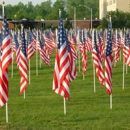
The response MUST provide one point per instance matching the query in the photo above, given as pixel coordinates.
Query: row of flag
(104, 46)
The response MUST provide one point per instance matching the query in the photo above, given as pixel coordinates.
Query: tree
(119, 19)
(68, 24)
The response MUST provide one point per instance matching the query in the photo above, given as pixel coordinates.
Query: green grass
(42, 109)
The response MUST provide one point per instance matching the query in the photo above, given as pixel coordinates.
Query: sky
(34, 2)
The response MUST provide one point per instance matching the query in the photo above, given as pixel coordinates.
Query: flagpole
(12, 64)
(93, 63)
(126, 69)
(6, 112)
(40, 62)
(24, 94)
(36, 62)
(79, 60)
(83, 76)
(39, 53)
(116, 44)
(120, 50)
(111, 101)
(120, 55)
(29, 71)
(37, 56)
(123, 74)
(64, 106)
(94, 78)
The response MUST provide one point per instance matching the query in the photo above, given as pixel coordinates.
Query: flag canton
(0, 38)
(99, 39)
(67, 42)
(5, 25)
(127, 39)
(83, 37)
(118, 36)
(74, 38)
(23, 42)
(102, 33)
(95, 42)
(89, 36)
(16, 41)
(42, 40)
(29, 38)
(47, 34)
(33, 34)
(0, 44)
(80, 36)
(109, 40)
(61, 34)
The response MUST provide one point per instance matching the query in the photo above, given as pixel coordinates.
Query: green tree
(119, 19)
(68, 24)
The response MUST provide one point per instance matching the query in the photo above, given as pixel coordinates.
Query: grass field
(42, 109)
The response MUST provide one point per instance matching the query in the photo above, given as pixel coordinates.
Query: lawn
(42, 109)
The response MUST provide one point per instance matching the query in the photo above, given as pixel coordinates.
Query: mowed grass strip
(42, 109)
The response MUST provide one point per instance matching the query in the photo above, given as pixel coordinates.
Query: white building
(112, 5)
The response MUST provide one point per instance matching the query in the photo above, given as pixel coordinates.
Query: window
(110, 2)
(114, 1)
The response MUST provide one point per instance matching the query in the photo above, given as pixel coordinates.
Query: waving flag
(5, 60)
(44, 52)
(83, 53)
(117, 48)
(126, 49)
(23, 64)
(109, 60)
(17, 48)
(30, 49)
(89, 42)
(101, 45)
(61, 80)
(97, 61)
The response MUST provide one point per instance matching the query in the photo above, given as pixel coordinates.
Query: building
(112, 5)
(102, 8)
(42, 24)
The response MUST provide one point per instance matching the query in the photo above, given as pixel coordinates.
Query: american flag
(17, 48)
(5, 60)
(23, 64)
(97, 61)
(49, 42)
(38, 41)
(72, 57)
(117, 48)
(89, 42)
(30, 49)
(101, 46)
(109, 60)
(126, 49)
(83, 53)
(43, 52)
(61, 80)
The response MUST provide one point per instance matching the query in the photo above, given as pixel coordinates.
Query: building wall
(124, 5)
(112, 5)
(40, 24)
(10, 25)
(102, 8)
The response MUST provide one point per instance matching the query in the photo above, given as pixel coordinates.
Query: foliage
(119, 19)
(50, 27)
(50, 11)
(68, 24)
(39, 17)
